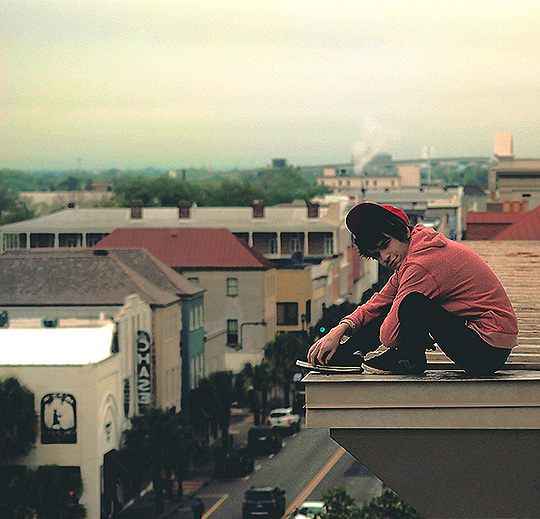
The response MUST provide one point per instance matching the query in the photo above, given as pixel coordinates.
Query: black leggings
(422, 322)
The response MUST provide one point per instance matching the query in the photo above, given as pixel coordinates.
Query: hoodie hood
(422, 239)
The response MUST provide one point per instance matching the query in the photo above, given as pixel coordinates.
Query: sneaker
(393, 362)
(329, 368)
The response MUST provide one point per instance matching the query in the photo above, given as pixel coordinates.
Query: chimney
(506, 206)
(525, 203)
(258, 209)
(136, 207)
(515, 205)
(312, 209)
(184, 207)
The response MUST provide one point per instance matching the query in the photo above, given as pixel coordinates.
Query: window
(232, 287)
(295, 244)
(232, 332)
(287, 314)
(273, 245)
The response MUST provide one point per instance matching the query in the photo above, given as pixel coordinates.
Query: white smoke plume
(373, 138)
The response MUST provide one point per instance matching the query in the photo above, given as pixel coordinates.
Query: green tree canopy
(163, 443)
(18, 426)
(282, 353)
(48, 492)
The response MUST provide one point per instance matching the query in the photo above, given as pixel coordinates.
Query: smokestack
(136, 207)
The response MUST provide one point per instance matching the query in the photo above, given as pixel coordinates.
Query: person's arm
(372, 308)
(323, 350)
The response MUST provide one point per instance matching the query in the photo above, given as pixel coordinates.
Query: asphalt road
(309, 464)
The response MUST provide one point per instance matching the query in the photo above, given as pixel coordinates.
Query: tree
(12, 208)
(282, 353)
(163, 443)
(387, 506)
(48, 492)
(262, 378)
(223, 383)
(18, 426)
(134, 188)
(339, 504)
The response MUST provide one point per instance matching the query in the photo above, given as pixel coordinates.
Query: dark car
(264, 440)
(264, 502)
(236, 462)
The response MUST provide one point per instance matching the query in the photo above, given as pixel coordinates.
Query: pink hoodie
(454, 276)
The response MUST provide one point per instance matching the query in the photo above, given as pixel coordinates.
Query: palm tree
(282, 353)
(18, 426)
(162, 442)
(262, 378)
(223, 383)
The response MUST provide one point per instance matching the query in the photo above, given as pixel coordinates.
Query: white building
(85, 388)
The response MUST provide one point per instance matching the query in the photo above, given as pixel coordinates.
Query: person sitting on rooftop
(440, 292)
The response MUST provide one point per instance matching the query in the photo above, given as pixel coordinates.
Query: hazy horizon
(221, 84)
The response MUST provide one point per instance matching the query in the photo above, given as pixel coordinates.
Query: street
(309, 464)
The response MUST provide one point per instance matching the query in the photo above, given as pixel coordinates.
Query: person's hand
(323, 350)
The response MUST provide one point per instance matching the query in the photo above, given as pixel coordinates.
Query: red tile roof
(527, 228)
(189, 248)
(489, 217)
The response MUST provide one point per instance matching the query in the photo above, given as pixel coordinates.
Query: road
(309, 464)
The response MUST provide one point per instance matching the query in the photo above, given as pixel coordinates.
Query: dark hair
(375, 230)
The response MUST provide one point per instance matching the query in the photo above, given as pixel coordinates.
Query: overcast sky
(226, 84)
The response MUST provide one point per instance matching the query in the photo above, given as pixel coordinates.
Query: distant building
(513, 178)
(279, 163)
(239, 284)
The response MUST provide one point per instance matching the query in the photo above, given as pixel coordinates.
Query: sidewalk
(201, 475)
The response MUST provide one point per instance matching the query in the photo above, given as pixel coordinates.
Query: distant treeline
(272, 186)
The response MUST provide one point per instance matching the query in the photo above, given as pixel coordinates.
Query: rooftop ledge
(438, 399)
(451, 445)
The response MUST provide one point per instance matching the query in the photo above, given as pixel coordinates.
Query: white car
(310, 510)
(284, 418)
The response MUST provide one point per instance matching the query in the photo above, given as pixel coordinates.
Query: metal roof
(189, 248)
(104, 220)
(527, 228)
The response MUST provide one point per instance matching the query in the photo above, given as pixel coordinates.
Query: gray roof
(140, 261)
(66, 278)
(237, 219)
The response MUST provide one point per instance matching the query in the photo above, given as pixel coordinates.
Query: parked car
(264, 502)
(310, 510)
(285, 419)
(264, 440)
(236, 462)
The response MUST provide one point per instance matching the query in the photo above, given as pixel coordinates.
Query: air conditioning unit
(49, 323)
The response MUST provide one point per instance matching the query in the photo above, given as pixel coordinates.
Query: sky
(232, 84)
